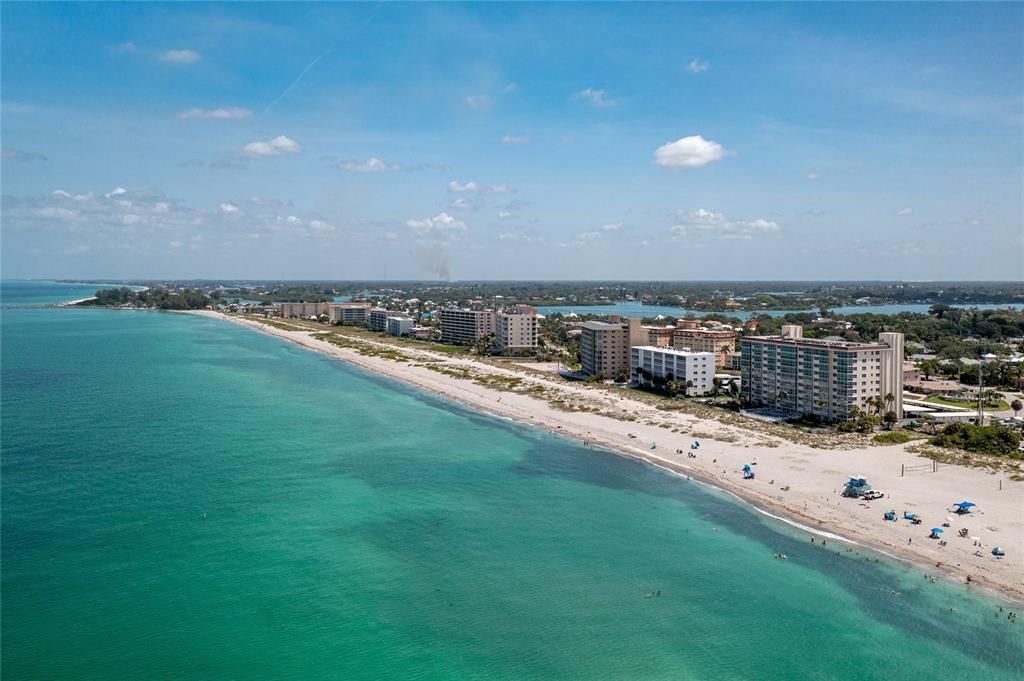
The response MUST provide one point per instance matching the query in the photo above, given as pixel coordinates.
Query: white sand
(814, 476)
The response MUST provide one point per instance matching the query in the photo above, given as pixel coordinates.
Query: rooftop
(672, 351)
(818, 342)
(601, 326)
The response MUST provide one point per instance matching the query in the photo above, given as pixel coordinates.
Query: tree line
(155, 298)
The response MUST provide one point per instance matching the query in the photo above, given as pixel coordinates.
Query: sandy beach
(799, 483)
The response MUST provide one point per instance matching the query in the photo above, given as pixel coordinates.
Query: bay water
(186, 498)
(633, 308)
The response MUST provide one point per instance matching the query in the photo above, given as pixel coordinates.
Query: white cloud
(476, 188)
(613, 227)
(812, 175)
(56, 212)
(516, 139)
(462, 204)
(180, 56)
(228, 113)
(370, 165)
(440, 223)
(321, 226)
(710, 222)
(905, 211)
(588, 236)
(598, 98)
(147, 219)
(525, 238)
(689, 152)
(510, 88)
(479, 101)
(506, 215)
(698, 65)
(275, 147)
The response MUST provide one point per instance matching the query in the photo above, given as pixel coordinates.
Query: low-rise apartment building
(465, 327)
(652, 365)
(720, 343)
(797, 376)
(302, 310)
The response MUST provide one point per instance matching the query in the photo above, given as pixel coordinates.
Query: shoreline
(819, 516)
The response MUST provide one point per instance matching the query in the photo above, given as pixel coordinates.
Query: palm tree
(1016, 406)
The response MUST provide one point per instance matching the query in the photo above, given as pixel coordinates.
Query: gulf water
(20, 293)
(185, 498)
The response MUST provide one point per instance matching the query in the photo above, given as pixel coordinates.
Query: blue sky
(594, 141)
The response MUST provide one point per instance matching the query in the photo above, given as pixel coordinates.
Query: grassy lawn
(1001, 406)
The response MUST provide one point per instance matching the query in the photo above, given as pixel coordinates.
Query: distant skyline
(513, 141)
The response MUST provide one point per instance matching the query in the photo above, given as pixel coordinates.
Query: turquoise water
(39, 293)
(631, 308)
(34, 292)
(358, 529)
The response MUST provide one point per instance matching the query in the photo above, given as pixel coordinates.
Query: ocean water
(17, 292)
(185, 498)
(632, 308)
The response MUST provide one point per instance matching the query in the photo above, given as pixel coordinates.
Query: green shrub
(994, 439)
(894, 437)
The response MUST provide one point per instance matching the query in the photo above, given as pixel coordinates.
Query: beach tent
(964, 507)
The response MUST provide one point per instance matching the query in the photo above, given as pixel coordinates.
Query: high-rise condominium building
(399, 325)
(377, 319)
(464, 327)
(719, 343)
(604, 346)
(349, 314)
(516, 331)
(825, 378)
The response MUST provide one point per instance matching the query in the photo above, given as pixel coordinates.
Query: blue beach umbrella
(937, 530)
(966, 504)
